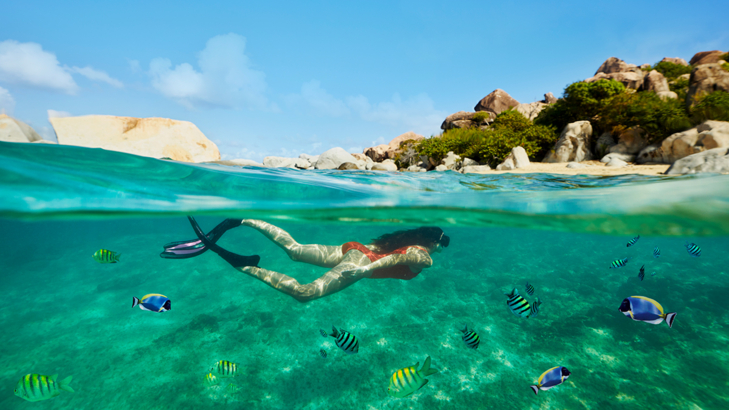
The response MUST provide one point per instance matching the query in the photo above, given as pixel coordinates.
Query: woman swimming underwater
(399, 255)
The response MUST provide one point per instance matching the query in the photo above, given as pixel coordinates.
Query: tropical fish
(408, 380)
(551, 378)
(535, 307)
(105, 256)
(641, 275)
(470, 337)
(646, 310)
(323, 333)
(693, 249)
(345, 341)
(37, 387)
(632, 241)
(656, 252)
(529, 289)
(517, 304)
(154, 302)
(323, 353)
(225, 369)
(618, 263)
(211, 380)
(232, 389)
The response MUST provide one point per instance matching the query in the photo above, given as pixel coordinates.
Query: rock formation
(713, 160)
(382, 152)
(675, 60)
(706, 57)
(496, 102)
(705, 79)
(630, 141)
(705, 136)
(333, 158)
(516, 159)
(149, 137)
(12, 130)
(655, 81)
(573, 144)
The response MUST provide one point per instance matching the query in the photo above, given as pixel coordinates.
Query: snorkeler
(398, 255)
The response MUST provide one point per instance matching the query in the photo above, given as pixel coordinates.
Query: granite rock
(333, 158)
(573, 143)
(713, 160)
(13, 130)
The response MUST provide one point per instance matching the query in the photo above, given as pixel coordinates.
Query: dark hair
(426, 236)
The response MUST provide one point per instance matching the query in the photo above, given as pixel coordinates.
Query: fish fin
(116, 257)
(535, 388)
(669, 319)
(465, 329)
(54, 377)
(135, 301)
(427, 370)
(425, 381)
(335, 332)
(64, 384)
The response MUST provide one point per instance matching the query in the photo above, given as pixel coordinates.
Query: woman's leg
(319, 255)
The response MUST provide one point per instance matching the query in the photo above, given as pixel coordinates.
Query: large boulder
(616, 65)
(630, 141)
(604, 143)
(531, 110)
(12, 130)
(390, 151)
(462, 119)
(630, 79)
(283, 162)
(452, 161)
(549, 98)
(713, 134)
(518, 158)
(655, 81)
(149, 137)
(386, 165)
(377, 153)
(708, 135)
(706, 79)
(496, 102)
(713, 160)
(675, 60)
(706, 57)
(333, 158)
(573, 144)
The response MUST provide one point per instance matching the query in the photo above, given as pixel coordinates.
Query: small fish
(535, 307)
(529, 289)
(632, 241)
(224, 369)
(211, 380)
(37, 387)
(345, 341)
(656, 252)
(106, 256)
(471, 338)
(641, 275)
(232, 389)
(517, 304)
(551, 378)
(154, 302)
(408, 380)
(653, 274)
(647, 310)
(323, 353)
(693, 249)
(618, 263)
(323, 333)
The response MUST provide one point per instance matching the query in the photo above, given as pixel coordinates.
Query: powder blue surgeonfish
(154, 302)
(647, 310)
(551, 378)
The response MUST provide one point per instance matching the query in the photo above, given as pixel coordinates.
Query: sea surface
(64, 313)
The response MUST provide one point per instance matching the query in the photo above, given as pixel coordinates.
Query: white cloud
(96, 75)
(318, 99)
(225, 77)
(7, 103)
(28, 64)
(58, 114)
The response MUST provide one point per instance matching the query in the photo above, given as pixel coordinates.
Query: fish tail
(535, 388)
(669, 319)
(464, 329)
(426, 370)
(335, 332)
(116, 257)
(64, 384)
(135, 301)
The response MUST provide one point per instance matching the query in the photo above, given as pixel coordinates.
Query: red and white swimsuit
(393, 272)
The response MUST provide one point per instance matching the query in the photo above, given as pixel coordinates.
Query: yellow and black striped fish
(106, 256)
(37, 387)
(211, 380)
(470, 337)
(517, 304)
(408, 380)
(225, 369)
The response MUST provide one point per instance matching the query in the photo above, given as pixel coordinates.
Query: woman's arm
(416, 258)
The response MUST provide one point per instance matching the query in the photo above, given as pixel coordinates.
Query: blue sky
(284, 78)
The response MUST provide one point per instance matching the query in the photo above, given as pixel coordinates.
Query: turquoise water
(64, 313)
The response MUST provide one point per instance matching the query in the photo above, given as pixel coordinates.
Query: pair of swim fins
(194, 247)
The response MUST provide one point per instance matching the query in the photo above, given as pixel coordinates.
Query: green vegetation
(481, 117)
(581, 101)
(714, 106)
(657, 117)
(680, 87)
(671, 70)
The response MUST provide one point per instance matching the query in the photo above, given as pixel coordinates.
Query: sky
(284, 78)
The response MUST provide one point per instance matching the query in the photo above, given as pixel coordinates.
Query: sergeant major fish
(517, 304)
(529, 289)
(211, 380)
(618, 263)
(470, 337)
(37, 387)
(408, 380)
(225, 369)
(656, 252)
(641, 274)
(345, 341)
(647, 310)
(106, 256)
(551, 378)
(154, 302)
(632, 241)
(535, 307)
(693, 249)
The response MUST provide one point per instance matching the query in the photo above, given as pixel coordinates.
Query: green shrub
(581, 101)
(680, 87)
(671, 70)
(481, 117)
(714, 106)
(659, 118)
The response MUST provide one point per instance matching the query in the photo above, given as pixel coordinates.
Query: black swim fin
(194, 247)
(235, 260)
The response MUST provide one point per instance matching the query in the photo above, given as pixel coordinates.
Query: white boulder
(386, 165)
(713, 160)
(12, 130)
(573, 143)
(518, 158)
(283, 162)
(616, 163)
(333, 158)
(476, 169)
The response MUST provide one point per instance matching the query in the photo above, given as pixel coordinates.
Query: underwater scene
(593, 292)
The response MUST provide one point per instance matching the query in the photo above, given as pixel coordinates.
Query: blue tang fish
(154, 302)
(646, 310)
(551, 378)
